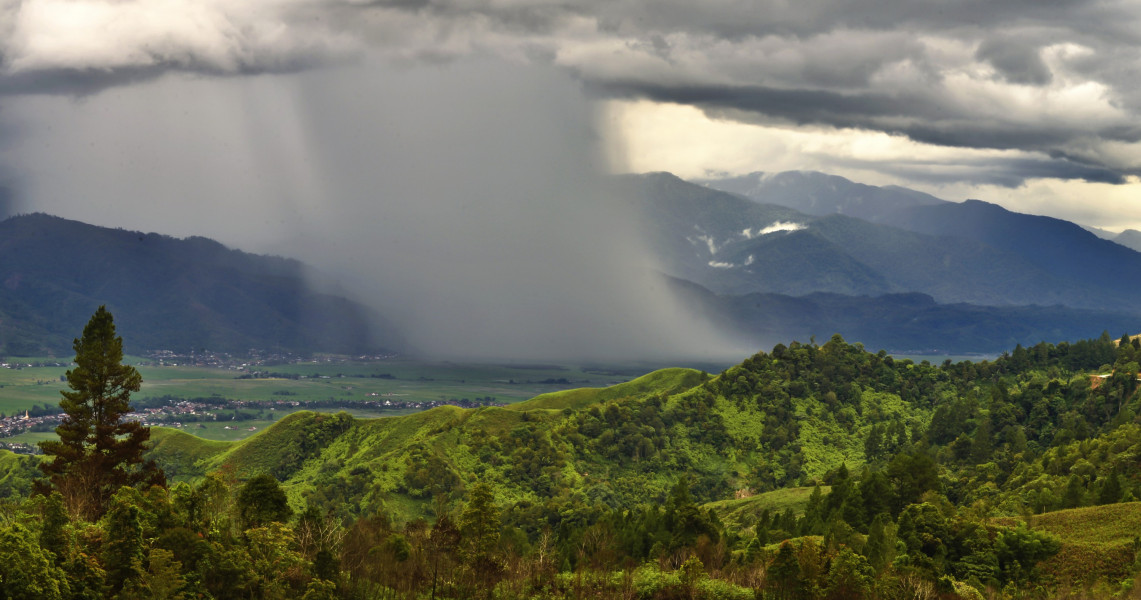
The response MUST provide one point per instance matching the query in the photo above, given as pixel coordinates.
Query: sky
(355, 134)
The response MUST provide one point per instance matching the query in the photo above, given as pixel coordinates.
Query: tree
(262, 501)
(97, 451)
(26, 570)
(123, 550)
(782, 578)
(480, 526)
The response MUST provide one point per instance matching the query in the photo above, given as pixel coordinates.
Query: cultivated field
(339, 382)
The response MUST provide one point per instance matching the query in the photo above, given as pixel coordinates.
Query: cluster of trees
(223, 539)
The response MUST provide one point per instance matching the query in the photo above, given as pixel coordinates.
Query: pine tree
(97, 451)
(880, 547)
(1110, 492)
(782, 578)
(480, 527)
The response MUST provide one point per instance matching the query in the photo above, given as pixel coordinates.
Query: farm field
(323, 380)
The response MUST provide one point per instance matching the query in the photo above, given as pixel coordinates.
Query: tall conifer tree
(97, 451)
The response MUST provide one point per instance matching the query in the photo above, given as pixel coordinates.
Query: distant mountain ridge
(901, 241)
(896, 268)
(1130, 238)
(909, 323)
(165, 293)
(734, 245)
(821, 194)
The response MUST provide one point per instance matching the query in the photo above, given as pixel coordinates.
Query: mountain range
(764, 258)
(798, 233)
(166, 293)
(800, 254)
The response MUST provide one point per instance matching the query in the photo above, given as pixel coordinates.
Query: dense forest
(1012, 478)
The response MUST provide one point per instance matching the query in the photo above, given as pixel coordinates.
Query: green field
(21, 389)
(322, 379)
(411, 381)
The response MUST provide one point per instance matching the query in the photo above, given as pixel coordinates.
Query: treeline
(226, 539)
(297, 376)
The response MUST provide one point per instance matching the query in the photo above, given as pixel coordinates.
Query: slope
(1098, 542)
(167, 293)
(1059, 247)
(619, 446)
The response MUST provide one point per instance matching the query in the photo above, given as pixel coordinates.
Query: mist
(467, 202)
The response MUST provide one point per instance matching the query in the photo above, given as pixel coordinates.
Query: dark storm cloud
(1019, 61)
(920, 117)
(75, 82)
(79, 47)
(999, 171)
(1060, 77)
(1055, 78)
(799, 106)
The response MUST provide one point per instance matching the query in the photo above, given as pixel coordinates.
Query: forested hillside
(810, 471)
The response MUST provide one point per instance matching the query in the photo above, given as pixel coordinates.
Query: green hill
(618, 446)
(664, 381)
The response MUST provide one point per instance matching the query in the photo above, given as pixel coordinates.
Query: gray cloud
(1019, 61)
(465, 201)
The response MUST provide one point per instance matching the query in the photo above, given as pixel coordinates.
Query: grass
(1097, 542)
(669, 381)
(32, 437)
(744, 512)
(22, 389)
(181, 454)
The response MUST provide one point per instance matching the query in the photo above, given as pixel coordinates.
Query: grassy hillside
(617, 446)
(1098, 542)
(182, 455)
(664, 381)
(745, 512)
